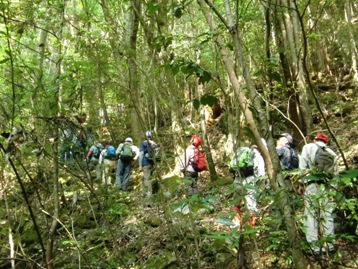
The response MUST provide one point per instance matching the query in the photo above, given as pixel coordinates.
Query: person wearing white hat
(128, 153)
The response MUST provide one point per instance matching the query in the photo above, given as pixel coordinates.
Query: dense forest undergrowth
(102, 227)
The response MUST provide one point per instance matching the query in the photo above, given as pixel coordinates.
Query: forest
(234, 73)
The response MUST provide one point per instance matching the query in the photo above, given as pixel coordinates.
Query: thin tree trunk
(353, 44)
(58, 102)
(133, 83)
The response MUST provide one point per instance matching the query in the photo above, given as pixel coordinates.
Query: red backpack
(199, 161)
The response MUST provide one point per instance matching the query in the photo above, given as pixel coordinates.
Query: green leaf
(152, 7)
(205, 77)
(4, 60)
(178, 11)
(208, 100)
(349, 174)
(224, 222)
(275, 76)
(196, 103)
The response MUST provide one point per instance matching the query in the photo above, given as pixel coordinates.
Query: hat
(288, 136)
(148, 134)
(196, 141)
(322, 137)
(128, 139)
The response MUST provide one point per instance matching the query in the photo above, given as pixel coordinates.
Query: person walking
(93, 158)
(188, 165)
(147, 152)
(108, 159)
(128, 153)
(288, 157)
(320, 164)
(251, 167)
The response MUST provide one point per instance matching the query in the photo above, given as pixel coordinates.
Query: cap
(128, 139)
(196, 141)
(322, 137)
(288, 136)
(148, 134)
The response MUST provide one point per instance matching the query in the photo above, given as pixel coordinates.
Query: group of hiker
(106, 160)
(247, 166)
(317, 164)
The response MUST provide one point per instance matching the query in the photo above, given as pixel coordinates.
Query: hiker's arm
(89, 154)
(141, 155)
(259, 165)
(119, 149)
(135, 149)
(304, 163)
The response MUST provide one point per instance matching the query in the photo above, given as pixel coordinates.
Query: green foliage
(177, 9)
(190, 68)
(152, 7)
(206, 99)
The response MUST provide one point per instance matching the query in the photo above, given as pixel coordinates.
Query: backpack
(152, 150)
(126, 153)
(97, 151)
(324, 160)
(242, 161)
(110, 153)
(199, 161)
(294, 159)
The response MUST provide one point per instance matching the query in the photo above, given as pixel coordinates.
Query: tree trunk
(58, 102)
(353, 44)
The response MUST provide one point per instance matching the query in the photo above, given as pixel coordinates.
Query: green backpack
(242, 161)
(126, 153)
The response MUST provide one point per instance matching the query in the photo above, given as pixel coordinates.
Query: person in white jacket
(318, 202)
(187, 168)
(259, 171)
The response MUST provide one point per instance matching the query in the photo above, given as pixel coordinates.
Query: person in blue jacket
(146, 163)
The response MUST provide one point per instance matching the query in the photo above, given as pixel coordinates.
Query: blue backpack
(110, 153)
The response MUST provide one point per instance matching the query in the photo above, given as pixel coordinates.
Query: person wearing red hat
(318, 202)
(186, 166)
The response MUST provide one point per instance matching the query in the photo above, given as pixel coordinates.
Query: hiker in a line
(318, 203)
(128, 153)
(66, 138)
(186, 165)
(92, 158)
(108, 160)
(287, 155)
(146, 163)
(246, 177)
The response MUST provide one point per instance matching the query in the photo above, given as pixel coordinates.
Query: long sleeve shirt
(186, 160)
(259, 164)
(308, 155)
